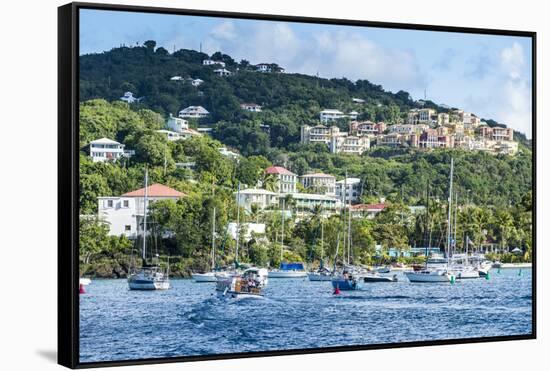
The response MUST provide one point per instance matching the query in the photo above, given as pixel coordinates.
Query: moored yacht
(149, 276)
(248, 284)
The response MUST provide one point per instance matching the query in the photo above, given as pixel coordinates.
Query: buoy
(452, 279)
(81, 289)
(336, 290)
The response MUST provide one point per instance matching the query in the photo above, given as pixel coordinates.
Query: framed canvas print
(237, 185)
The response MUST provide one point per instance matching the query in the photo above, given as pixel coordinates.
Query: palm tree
(270, 182)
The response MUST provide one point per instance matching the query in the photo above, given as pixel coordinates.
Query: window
(126, 203)
(109, 203)
(127, 228)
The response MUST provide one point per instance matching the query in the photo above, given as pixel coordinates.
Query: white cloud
(224, 31)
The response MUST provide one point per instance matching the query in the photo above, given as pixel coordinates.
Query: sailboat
(241, 284)
(287, 270)
(211, 276)
(439, 274)
(323, 273)
(149, 276)
(350, 277)
(460, 265)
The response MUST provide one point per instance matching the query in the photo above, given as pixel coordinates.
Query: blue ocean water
(188, 319)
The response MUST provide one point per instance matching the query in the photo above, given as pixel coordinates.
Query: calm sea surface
(188, 319)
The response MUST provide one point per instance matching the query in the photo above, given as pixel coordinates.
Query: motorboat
(248, 284)
(288, 270)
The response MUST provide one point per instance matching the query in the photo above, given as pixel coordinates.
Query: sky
(489, 75)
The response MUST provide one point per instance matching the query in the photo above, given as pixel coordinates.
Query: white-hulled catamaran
(151, 276)
(440, 274)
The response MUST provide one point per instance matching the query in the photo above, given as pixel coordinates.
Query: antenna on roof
(200, 47)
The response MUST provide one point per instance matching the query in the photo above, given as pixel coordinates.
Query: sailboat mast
(455, 222)
(343, 221)
(449, 211)
(322, 241)
(214, 238)
(238, 224)
(145, 199)
(282, 229)
(349, 227)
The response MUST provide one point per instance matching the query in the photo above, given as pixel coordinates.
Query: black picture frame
(68, 185)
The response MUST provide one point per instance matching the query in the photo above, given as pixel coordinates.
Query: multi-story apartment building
(496, 133)
(349, 144)
(367, 128)
(422, 116)
(337, 141)
(329, 115)
(398, 140)
(436, 138)
(286, 180)
(319, 183)
(408, 128)
(350, 188)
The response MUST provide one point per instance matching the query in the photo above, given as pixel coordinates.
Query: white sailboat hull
(428, 276)
(286, 274)
(144, 280)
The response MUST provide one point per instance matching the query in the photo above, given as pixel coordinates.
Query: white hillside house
(211, 62)
(196, 82)
(128, 97)
(328, 115)
(176, 78)
(124, 214)
(222, 72)
(251, 107)
(106, 149)
(177, 124)
(193, 112)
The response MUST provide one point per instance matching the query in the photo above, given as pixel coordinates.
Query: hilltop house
(177, 124)
(176, 78)
(196, 82)
(193, 112)
(269, 67)
(330, 115)
(222, 72)
(124, 213)
(251, 107)
(286, 180)
(210, 62)
(105, 149)
(367, 128)
(128, 97)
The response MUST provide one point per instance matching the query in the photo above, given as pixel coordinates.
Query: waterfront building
(319, 183)
(286, 180)
(306, 202)
(350, 187)
(123, 214)
(193, 112)
(106, 149)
